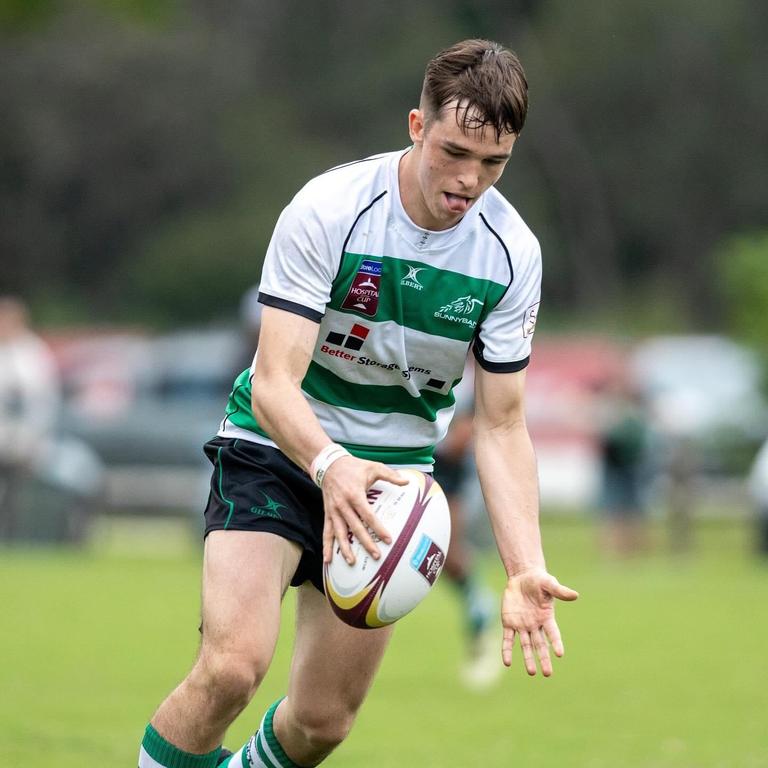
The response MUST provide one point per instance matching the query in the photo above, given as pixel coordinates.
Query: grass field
(665, 665)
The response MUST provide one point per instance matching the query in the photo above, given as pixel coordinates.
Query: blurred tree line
(147, 146)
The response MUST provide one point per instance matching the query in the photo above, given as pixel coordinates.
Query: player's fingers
(372, 523)
(560, 591)
(507, 643)
(362, 531)
(552, 632)
(390, 475)
(327, 540)
(341, 534)
(542, 651)
(527, 647)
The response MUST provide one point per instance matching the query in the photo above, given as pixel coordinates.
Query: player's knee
(232, 678)
(324, 727)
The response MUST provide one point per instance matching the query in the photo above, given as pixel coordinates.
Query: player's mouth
(457, 203)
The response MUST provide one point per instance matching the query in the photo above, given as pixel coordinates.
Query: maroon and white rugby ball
(373, 593)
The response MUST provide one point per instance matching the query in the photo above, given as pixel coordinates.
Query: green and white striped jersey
(398, 308)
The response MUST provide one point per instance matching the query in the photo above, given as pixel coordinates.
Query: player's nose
(468, 179)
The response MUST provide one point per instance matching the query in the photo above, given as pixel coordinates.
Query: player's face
(451, 168)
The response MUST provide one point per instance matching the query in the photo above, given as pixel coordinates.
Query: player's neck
(411, 195)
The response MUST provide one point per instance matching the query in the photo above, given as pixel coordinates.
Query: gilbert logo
(460, 310)
(270, 509)
(412, 279)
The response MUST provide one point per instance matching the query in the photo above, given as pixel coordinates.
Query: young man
(380, 277)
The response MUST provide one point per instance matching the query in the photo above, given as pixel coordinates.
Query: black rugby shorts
(450, 474)
(257, 488)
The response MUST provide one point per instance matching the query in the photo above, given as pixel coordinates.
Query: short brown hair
(485, 80)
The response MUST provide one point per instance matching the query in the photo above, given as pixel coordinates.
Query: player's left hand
(528, 613)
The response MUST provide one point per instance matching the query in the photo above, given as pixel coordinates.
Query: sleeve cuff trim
(290, 306)
(491, 367)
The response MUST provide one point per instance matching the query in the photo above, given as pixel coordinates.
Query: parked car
(705, 391)
(146, 405)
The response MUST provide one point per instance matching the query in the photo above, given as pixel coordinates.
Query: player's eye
(453, 153)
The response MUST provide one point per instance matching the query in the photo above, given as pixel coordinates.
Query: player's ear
(416, 125)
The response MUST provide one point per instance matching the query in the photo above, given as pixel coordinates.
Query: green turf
(665, 665)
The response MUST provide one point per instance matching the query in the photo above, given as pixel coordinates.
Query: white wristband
(323, 461)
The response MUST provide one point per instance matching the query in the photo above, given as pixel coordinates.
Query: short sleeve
(503, 341)
(301, 260)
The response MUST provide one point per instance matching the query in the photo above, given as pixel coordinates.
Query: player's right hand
(528, 614)
(347, 509)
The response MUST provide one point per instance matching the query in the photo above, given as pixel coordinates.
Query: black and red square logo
(353, 340)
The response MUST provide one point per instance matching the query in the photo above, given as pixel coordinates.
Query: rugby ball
(373, 593)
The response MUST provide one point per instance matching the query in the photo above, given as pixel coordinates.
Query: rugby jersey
(398, 308)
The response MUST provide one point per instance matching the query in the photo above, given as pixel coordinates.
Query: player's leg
(245, 575)
(332, 670)
(459, 569)
(481, 666)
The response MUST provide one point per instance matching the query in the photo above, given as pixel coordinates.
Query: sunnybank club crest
(460, 310)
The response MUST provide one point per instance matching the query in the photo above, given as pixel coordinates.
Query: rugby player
(381, 276)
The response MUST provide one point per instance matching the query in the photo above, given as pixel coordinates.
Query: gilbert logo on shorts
(271, 508)
(363, 295)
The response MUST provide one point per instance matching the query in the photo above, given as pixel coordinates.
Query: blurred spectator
(623, 444)
(758, 487)
(454, 470)
(250, 322)
(29, 400)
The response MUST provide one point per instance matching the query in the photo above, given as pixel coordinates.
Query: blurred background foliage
(147, 148)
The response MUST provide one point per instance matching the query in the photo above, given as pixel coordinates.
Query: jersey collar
(421, 239)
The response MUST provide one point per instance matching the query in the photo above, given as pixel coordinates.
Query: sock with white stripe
(263, 750)
(156, 752)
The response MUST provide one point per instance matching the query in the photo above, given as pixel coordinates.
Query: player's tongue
(456, 204)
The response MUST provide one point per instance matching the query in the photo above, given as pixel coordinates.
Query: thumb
(392, 475)
(560, 591)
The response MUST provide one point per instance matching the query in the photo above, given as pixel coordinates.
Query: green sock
(263, 750)
(156, 752)
(477, 602)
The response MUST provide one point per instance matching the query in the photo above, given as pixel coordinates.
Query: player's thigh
(245, 575)
(333, 664)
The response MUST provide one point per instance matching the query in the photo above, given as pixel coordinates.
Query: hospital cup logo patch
(363, 295)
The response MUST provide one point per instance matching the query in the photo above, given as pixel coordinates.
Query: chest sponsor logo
(460, 310)
(337, 343)
(411, 280)
(363, 294)
(529, 320)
